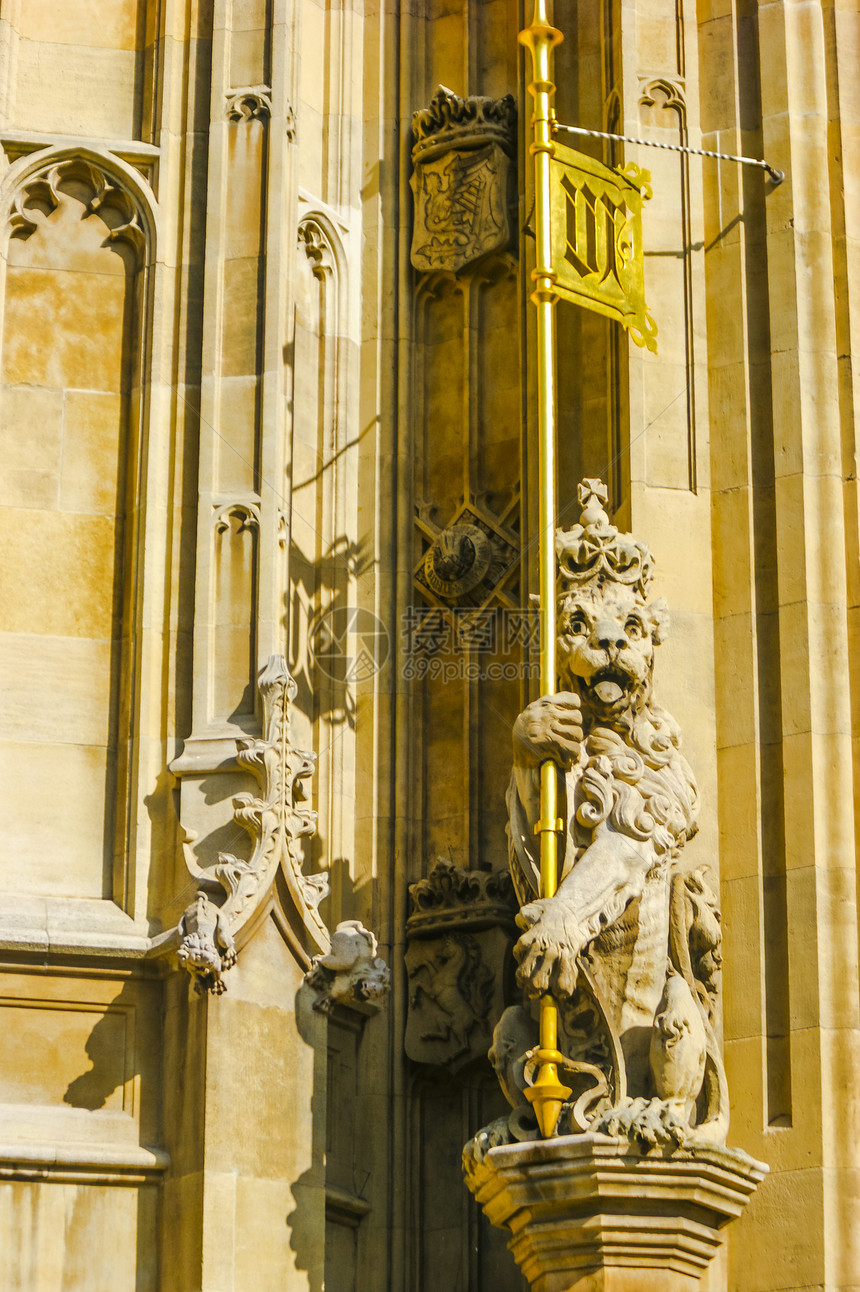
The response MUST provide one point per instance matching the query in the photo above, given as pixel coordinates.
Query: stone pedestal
(591, 1214)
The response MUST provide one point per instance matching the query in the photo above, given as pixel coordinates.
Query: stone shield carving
(459, 932)
(462, 178)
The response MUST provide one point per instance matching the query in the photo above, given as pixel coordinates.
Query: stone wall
(241, 418)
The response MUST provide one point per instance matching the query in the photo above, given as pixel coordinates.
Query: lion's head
(607, 633)
(607, 629)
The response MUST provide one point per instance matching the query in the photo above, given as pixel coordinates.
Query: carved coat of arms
(462, 177)
(459, 931)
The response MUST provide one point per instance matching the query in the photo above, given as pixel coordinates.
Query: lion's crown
(594, 549)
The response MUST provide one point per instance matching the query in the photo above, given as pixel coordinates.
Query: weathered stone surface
(256, 410)
(629, 945)
(586, 1212)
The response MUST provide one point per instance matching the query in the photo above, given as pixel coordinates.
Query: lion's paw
(548, 948)
(498, 1132)
(651, 1121)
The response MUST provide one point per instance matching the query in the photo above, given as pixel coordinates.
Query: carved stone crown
(594, 549)
(451, 122)
(451, 897)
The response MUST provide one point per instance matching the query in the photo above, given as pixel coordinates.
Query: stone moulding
(212, 931)
(584, 1203)
(82, 1164)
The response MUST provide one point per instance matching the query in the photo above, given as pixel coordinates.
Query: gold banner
(596, 238)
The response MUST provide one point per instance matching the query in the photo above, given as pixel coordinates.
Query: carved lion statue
(629, 946)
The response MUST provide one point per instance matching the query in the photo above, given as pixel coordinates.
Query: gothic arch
(111, 177)
(75, 315)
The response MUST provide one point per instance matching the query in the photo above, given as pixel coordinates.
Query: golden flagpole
(547, 1093)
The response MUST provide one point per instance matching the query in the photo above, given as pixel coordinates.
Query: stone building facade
(257, 425)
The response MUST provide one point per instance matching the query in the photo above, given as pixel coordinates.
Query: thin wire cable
(777, 176)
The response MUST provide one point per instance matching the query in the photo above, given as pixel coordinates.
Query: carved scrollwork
(101, 192)
(233, 891)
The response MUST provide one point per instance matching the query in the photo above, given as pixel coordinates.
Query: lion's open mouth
(610, 685)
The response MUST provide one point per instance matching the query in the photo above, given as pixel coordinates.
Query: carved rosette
(234, 893)
(474, 559)
(463, 159)
(459, 933)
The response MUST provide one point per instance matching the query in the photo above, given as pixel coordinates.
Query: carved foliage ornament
(233, 891)
(459, 932)
(115, 205)
(462, 178)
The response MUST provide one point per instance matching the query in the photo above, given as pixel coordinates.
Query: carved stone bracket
(247, 513)
(587, 1211)
(459, 932)
(463, 159)
(234, 893)
(253, 103)
(312, 239)
(114, 204)
(666, 94)
(351, 974)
